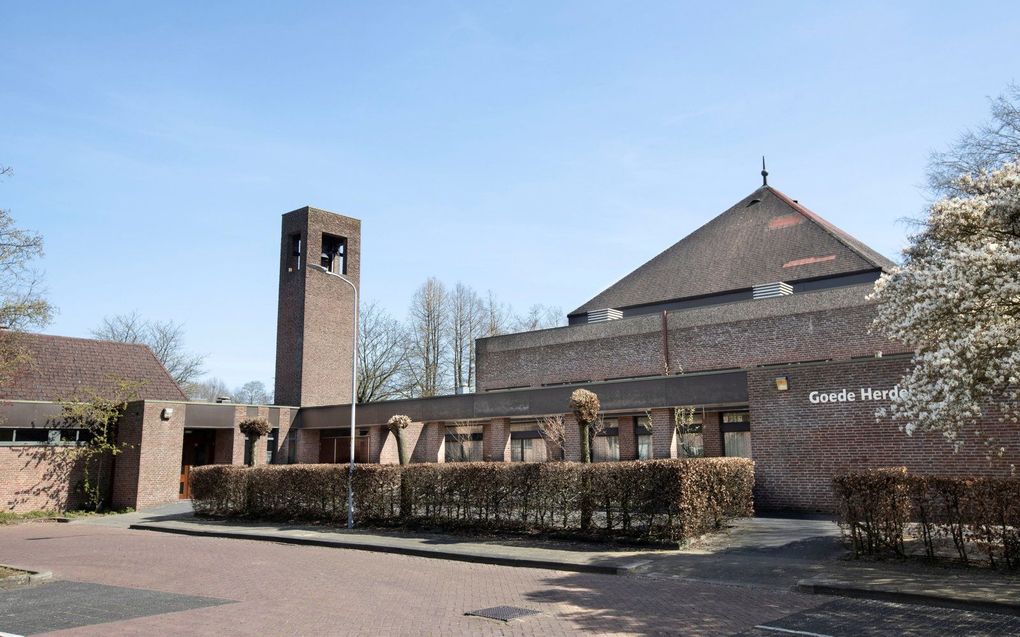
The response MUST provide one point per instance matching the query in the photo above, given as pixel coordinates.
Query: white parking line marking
(790, 631)
(3, 634)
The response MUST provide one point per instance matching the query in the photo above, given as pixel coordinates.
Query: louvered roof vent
(607, 314)
(771, 290)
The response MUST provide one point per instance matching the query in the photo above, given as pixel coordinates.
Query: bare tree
(382, 355)
(429, 346)
(21, 303)
(986, 148)
(164, 338)
(539, 317)
(253, 392)
(208, 389)
(466, 323)
(497, 316)
(554, 430)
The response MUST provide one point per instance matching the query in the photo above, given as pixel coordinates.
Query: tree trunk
(585, 442)
(402, 450)
(254, 450)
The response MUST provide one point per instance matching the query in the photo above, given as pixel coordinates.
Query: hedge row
(667, 500)
(978, 518)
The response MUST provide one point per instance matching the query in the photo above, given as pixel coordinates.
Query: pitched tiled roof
(58, 366)
(764, 238)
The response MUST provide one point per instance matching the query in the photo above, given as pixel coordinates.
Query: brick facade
(314, 320)
(699, 340)
(40, 478)
(798, 445)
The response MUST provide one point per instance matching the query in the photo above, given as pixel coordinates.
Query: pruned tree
(397, 425)
(554, 430)
(585, 406)
(254, 429)
(253, 392)
(209, 389)
(981, 150)
(429, 346)
(22, 305)
(98, 416)
(164, 338)
(382, 355)
(956, 300)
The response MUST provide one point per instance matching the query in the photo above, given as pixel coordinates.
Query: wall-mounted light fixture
(167, 413)
(782, 383)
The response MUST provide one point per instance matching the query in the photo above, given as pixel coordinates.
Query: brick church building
(757, 325)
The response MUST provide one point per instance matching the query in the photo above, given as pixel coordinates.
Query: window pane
(605, 449)
(534, 450)
(737, 443)
(6, 435)
(31, 435)
(644, 447)
(736, 416)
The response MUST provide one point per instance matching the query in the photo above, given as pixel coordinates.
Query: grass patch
(10, 517)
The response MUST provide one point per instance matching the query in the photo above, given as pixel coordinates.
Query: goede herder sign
(852, 396)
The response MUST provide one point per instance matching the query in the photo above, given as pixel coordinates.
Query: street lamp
(354, 395)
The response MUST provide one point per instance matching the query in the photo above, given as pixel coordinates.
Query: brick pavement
(297, 590)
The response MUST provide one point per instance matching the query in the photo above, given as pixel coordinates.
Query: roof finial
(764, 173)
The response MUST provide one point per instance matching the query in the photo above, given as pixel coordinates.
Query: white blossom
(956, 300)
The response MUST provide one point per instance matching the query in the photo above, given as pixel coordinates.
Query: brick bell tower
(314, 325)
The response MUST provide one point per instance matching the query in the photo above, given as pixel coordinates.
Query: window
(14, 436)
(605, 447)
(643, 430)
(463, 444)
(334, 251)
(294, 262)
(736, 428)
(527, 443)
(271, 445)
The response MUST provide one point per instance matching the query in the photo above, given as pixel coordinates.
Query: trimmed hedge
(978, 518)
(666, 500)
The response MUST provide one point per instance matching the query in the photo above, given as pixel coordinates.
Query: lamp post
(354, 396)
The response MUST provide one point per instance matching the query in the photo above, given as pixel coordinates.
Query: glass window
(644, 446)
(605, 449)
(6, 435)
(271, 445)
(737, 443)
(729, 417)
(31, 435)
(463, 444)
(643, 431)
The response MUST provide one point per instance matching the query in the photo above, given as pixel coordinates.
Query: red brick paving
(300, 590)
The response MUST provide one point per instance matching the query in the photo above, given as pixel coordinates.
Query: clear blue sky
(538, 149)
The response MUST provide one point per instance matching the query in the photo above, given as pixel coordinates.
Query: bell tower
(316, 314)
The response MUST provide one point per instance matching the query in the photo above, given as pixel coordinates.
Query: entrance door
(199, 449)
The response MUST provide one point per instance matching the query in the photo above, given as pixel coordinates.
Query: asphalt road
(112, 581)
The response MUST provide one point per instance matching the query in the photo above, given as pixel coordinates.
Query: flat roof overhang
(708, 389)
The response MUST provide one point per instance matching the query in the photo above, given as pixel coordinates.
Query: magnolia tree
(956, 300)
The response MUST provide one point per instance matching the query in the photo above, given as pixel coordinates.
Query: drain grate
(503, 613)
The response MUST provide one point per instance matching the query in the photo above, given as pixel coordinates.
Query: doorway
(199, 449)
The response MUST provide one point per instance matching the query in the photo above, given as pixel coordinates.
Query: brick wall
(149, 468)
(633, 347)
(798, 446)
(40, 478)
(496, 440)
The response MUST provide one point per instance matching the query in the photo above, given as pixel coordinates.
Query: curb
(864, 591)
(601, 569)
(28, 578)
